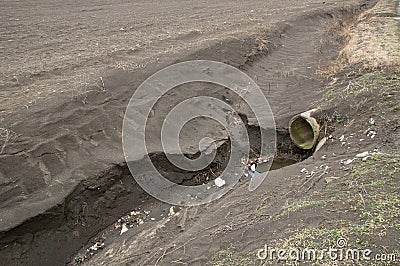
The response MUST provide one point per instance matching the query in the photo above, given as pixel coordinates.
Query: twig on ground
(102, 84)
(175, 249)
(318, 178)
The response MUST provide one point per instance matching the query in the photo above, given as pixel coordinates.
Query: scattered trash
(310, 174)
(136, 217)
(99, 244)
(346, 162)
(81, 258)
(372, 121)
(323, 166)
(251, 166)
(171, 211)
(331, 178)
(124, 229)
(362, 155)
(371, 134)
(219, 182)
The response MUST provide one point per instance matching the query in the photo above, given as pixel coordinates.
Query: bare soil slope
(70, 69)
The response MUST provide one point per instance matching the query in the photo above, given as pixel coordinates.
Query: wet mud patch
(286, 153)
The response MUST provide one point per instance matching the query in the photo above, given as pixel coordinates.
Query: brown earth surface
(68, 72)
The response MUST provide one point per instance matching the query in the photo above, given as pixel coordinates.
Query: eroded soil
(62, 176)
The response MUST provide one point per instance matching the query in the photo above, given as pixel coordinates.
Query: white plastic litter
(171, 211)
(123, 229)
(219, 182)
(372, 121)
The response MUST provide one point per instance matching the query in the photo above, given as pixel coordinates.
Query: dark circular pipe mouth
(304, 131)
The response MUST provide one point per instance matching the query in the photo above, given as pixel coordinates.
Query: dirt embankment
(62, 132)
(283, 60)
(347, 191)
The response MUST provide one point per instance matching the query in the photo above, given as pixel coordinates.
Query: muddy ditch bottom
(110, 203)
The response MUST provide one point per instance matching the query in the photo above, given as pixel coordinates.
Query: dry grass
(7, 137)
(374, 41)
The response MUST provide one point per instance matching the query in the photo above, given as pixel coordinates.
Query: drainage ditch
(98, 203)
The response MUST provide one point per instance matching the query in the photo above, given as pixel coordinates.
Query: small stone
(219, 182)
(362, 155)
(366, 158)
(331, 178)
(348, 161)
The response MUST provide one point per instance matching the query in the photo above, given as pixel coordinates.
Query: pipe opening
(304, 131)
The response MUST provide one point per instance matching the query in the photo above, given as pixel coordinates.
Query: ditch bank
(282, 61)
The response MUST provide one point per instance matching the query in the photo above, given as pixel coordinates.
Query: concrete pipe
(304, 130)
